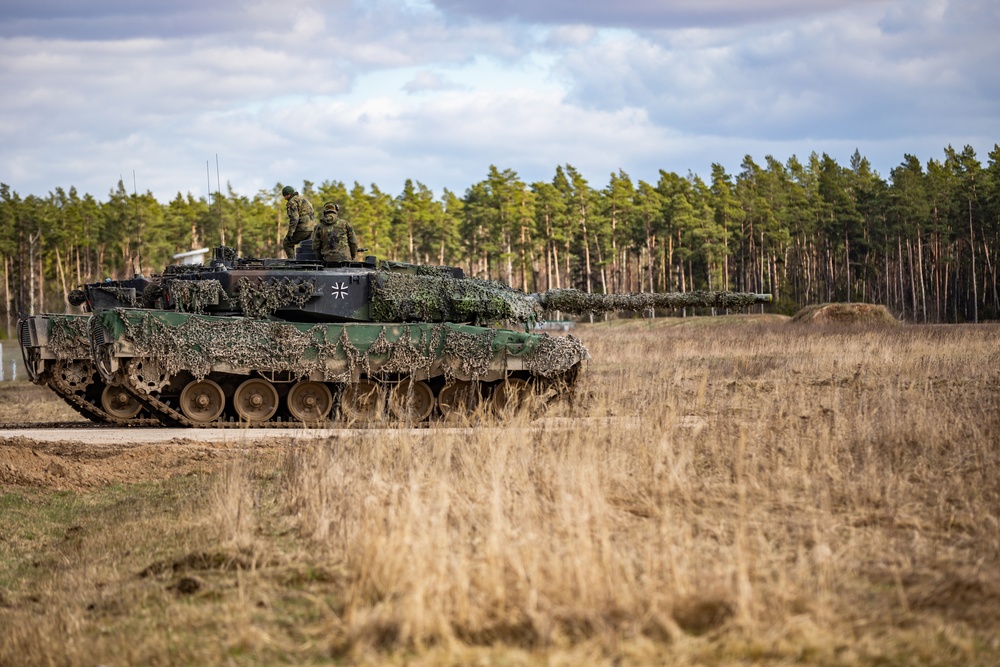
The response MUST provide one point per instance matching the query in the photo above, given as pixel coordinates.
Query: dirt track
(88, 457)
(54, 454)
(109, 437)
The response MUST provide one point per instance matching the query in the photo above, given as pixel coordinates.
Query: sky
(182, 96)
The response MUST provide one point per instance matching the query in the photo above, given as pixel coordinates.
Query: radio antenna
(138, 227)
(222, 224)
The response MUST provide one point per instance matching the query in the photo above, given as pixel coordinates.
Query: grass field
(726, 491)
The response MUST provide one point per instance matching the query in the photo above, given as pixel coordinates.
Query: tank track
(171, 416)
(76, 399)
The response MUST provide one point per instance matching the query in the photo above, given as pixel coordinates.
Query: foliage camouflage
(125, 295)
(579, 303)
(69, 337)
(404, 297)
(261, 298)
(412, 297)
(417, 269)
(191, 296)
(337, 352)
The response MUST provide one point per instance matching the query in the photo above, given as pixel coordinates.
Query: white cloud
(644, 14)
(388, 90)
(425, 81)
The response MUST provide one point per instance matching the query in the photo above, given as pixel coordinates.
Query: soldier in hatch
(334, 239)
(301, 219)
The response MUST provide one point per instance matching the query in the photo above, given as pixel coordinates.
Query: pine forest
(923, 242)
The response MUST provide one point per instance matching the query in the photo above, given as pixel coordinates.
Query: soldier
(334, 239)
(301, 219)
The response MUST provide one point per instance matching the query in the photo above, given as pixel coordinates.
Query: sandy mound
(845, 313)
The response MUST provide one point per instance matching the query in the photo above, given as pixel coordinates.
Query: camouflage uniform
(334, 239)
(301, 219)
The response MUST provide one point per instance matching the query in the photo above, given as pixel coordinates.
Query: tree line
(922, 242)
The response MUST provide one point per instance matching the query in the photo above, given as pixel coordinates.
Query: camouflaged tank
(271, 341)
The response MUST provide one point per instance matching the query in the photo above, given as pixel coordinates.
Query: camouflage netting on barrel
(68, 336)
(404, 297)
(192, 296)
(261, 298)
(580, 303)
(336, 352)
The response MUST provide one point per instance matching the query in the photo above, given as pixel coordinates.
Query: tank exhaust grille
(25, 333)
(97, 334)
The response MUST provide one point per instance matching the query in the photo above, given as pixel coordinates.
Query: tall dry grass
(713, 495)
(782, 483)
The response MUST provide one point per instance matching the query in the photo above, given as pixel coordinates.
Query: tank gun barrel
(580, 303)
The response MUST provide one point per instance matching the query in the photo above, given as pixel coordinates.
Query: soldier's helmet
(287, 190)
(330, 207)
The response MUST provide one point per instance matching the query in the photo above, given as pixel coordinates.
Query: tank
(269, 342)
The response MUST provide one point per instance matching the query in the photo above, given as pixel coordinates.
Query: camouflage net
(182, 269)
(579, 303)
(406, 297)
(226, 254)
(199, 345)
(192, 296)
(260, 299)
(68, 337)
(407, 356)
(553, 355)
(474, 352)
(439, 297)
(125, 295)
(417, 269)
(151, 296)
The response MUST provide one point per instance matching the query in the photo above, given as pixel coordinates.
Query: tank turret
(272, 341)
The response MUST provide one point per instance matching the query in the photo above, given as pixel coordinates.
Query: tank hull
(209, 371)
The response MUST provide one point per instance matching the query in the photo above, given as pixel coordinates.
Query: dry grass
(767, 493)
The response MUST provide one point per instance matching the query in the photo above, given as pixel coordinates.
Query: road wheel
(362, 400)
(202, 401)
(119, 403)
(309, 401)
(256, 400)
(461, 397)
(412, 400)
(511, 396)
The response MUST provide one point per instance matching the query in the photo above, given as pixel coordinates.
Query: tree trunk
(555, 264)
(62, 278)
(902, 285)
(31, 272)
(913, 282)
(920, 269)
(847, 265)
(972, 252)
(6, 291)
